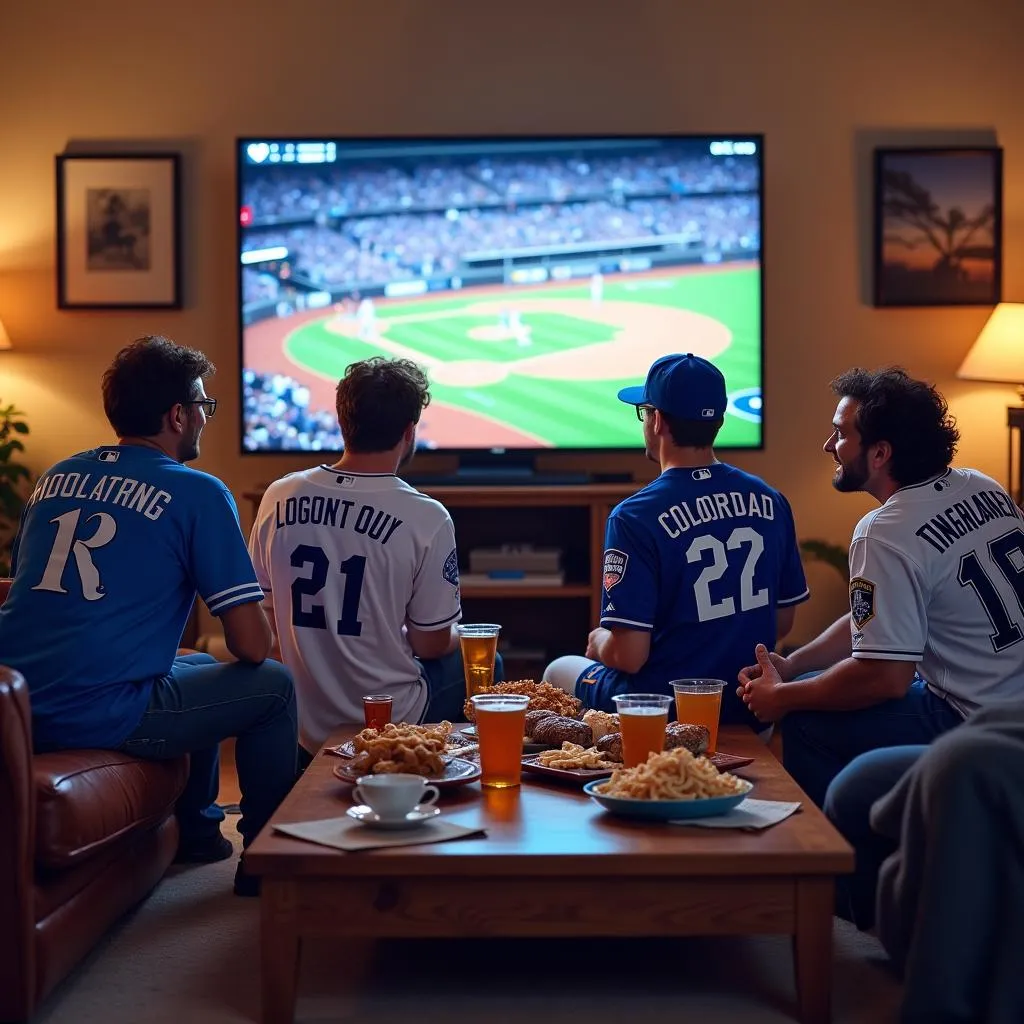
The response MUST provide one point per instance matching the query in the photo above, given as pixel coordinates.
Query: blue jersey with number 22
(701, 558)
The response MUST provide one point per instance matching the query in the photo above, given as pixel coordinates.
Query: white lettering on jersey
(707, 608)
(708, 508)
(115, 490)
(65, 544)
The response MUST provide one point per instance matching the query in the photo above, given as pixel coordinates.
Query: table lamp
(998, 355)
(5, 341)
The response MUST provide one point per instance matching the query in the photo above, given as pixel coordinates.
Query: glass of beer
(699, 702)
(642, 719)
(479, 645)
(500, 725)
(377, 710)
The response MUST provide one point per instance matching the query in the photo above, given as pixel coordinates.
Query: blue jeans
(818, 745)
(446, 686)
(848, 805)
(202, 701)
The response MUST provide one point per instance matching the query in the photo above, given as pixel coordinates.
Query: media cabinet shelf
(554, 620)
(524, 591)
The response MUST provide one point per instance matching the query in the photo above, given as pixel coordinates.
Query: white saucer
(417, 816)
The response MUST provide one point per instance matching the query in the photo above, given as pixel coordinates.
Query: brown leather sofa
(84, 836)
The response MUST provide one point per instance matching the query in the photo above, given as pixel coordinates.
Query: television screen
(531, 278)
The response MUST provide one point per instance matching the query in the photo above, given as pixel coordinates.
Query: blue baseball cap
(685, 386)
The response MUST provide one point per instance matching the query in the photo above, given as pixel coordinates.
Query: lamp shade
(998, 353)
(5, 341)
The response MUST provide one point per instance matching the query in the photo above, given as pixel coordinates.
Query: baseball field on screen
(550, 379)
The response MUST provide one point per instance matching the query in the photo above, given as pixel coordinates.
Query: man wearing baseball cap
(700, 565)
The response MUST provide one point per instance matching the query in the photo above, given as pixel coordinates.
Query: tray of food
(455, 742)
(408, 749)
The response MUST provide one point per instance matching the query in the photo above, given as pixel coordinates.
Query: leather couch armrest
(17, 839)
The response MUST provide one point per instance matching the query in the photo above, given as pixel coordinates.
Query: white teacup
(394, 796)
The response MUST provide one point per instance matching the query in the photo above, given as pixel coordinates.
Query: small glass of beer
(642, 718)
(377, 710)
(699, 702)
(500, 725)
(479, 643)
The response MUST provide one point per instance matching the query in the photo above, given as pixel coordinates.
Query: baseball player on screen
(360, 569)
(700, 566)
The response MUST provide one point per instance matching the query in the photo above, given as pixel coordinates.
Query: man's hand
(761, 686)
(751, 672)
(597, 639)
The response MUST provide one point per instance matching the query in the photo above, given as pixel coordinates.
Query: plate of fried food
(407, 749)
(545, 699)
(456, 743)
(669, 786)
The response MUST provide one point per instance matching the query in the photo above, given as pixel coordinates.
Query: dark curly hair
(146, 379)
(910, 414)
(377, 399)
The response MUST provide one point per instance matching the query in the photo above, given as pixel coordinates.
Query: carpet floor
(191, 953)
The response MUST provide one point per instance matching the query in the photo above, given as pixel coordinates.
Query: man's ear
(881, 453)
(175, 418)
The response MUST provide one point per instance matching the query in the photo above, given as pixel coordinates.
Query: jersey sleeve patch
(450, 572)
(862, 601)
(615, 562)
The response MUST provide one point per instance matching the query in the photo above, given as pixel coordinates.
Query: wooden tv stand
(539, 622)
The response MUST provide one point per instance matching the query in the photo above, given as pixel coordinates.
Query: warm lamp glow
(998, 354)
(5, 341)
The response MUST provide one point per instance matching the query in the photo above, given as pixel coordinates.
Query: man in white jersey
(936, 623)
(360, 569)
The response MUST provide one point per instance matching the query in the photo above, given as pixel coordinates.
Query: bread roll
(611, 746)
(601, 723)
(558, 729)
(533, 717)
(695, 738)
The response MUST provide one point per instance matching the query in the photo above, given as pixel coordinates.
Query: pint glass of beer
(479, 645)
(642, 719)
(500, 725)
(699, 702)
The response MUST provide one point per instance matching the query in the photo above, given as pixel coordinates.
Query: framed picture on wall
(938, 226)
(118, 231)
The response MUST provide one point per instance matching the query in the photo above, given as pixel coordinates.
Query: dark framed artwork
(119, 231)
(938, 226)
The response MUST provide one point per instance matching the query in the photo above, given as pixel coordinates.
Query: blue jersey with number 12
(113, 547)
(701, 558)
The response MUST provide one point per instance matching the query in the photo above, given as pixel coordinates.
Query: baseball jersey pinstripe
(347, 559)
(937, 578)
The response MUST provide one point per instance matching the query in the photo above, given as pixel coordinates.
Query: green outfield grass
(568, 413)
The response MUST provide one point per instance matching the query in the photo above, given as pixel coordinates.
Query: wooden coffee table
(553, 863)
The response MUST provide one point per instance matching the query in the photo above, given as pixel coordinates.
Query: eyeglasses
(209, 405)
(642, 410)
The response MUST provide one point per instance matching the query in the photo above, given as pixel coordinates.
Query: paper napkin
(751, 814)
(346, 834)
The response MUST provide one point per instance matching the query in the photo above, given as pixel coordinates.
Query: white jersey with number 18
(347, 560)
(937, 578)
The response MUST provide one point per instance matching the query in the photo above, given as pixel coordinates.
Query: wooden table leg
(812, 949)
(280, 948)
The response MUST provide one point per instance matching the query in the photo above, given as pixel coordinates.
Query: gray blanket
(951, 899)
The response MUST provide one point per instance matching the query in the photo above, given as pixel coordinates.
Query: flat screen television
(530, 277)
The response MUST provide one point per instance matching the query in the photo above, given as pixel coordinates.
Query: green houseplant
(831, 554)
(14, 480)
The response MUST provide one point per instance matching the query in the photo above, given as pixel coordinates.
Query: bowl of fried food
(668, 786)
(543, 697)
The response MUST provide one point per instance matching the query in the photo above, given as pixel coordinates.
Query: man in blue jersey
(700, 566)
(115, 544)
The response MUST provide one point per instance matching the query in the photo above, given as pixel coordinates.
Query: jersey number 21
(312, 616)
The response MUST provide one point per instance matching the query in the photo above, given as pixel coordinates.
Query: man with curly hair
(935, 629)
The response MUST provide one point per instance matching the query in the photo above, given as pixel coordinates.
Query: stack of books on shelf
(514, 565)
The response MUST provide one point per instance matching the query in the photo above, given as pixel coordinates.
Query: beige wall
(821, 79)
